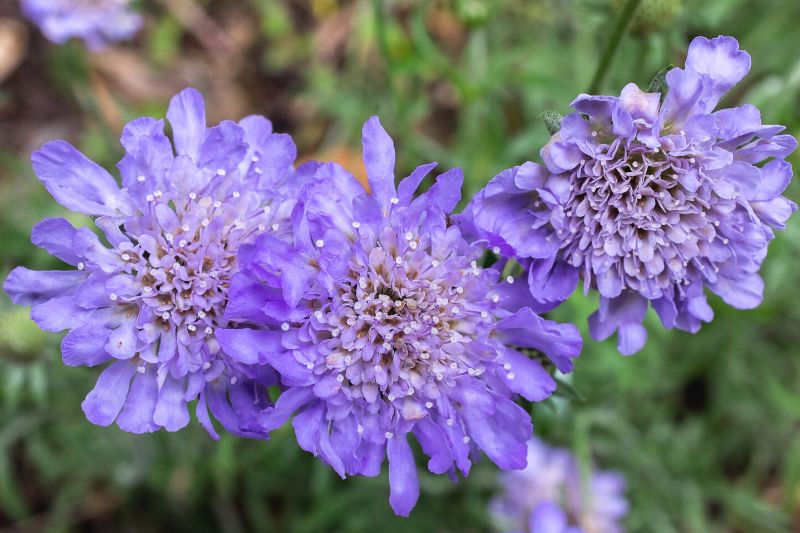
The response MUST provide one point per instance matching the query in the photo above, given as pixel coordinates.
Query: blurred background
(705, 427)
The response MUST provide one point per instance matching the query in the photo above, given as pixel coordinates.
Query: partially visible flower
(550, 496)
(151, 303)
(97, 22)
(382, 324)
(649, 202)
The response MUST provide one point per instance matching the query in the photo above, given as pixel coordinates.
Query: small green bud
(652, 16)
(659, 82)
(473, 13)
(552, 120)
(20, 338)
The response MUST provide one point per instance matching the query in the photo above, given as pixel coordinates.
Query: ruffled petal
(57, 236)
(187, 115)
(75, 181)
(403, 482)
(105, 401)
(137, 413)
(560, 342)
(246, 345)
(379, 161)
(30, 287)
(171, 412)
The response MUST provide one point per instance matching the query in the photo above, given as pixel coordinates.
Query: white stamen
(165, 315)
(320, 243)
(149, 197)
(191, 327)
(510, 375)
(285, 326)
(398, 260)
(510, 279)
(255, 159)
(395, 201)
(496, 249)
(359, 429)
(450, 421)
(435, 263)
(495, 298)
(205, 223)
(412, 245)
(113, 297)
(141, 179)
(158, 194)
(465, 440)
(234, 379)
(340, 378)
(389, 434)
(356, 225)
(81, 265)
(275, 227)
(141, 369)
(409, 236)
(206, 365)
(429, 404)
(221, 171)
(209, 330)
(310, 366)
(236, 194)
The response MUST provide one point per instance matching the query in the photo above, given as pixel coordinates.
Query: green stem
(617, 34)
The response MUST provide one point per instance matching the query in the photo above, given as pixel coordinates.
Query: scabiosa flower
(549, 496)
(150, 304)
(649, 202)
(97, 22)
(382, 323)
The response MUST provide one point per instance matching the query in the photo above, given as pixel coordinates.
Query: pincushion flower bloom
(383, 325)
(150, 303)
(549, 496)
(97, 22)
(649, 202)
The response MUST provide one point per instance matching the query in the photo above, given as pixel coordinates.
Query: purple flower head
(550, 496)
(97, 22)
(151, 299)
(382, 323)
(649, 201)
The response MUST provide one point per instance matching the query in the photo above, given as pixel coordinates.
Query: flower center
(178, 263)
(645, 216)
(402, 321)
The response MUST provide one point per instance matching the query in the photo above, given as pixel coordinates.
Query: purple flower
(97, 22)
(382, 323)
(550, 496)
(648, 202)
(151, 303)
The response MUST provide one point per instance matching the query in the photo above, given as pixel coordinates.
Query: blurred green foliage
(705, 427)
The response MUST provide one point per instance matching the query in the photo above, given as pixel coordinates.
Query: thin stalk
(617, 34)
